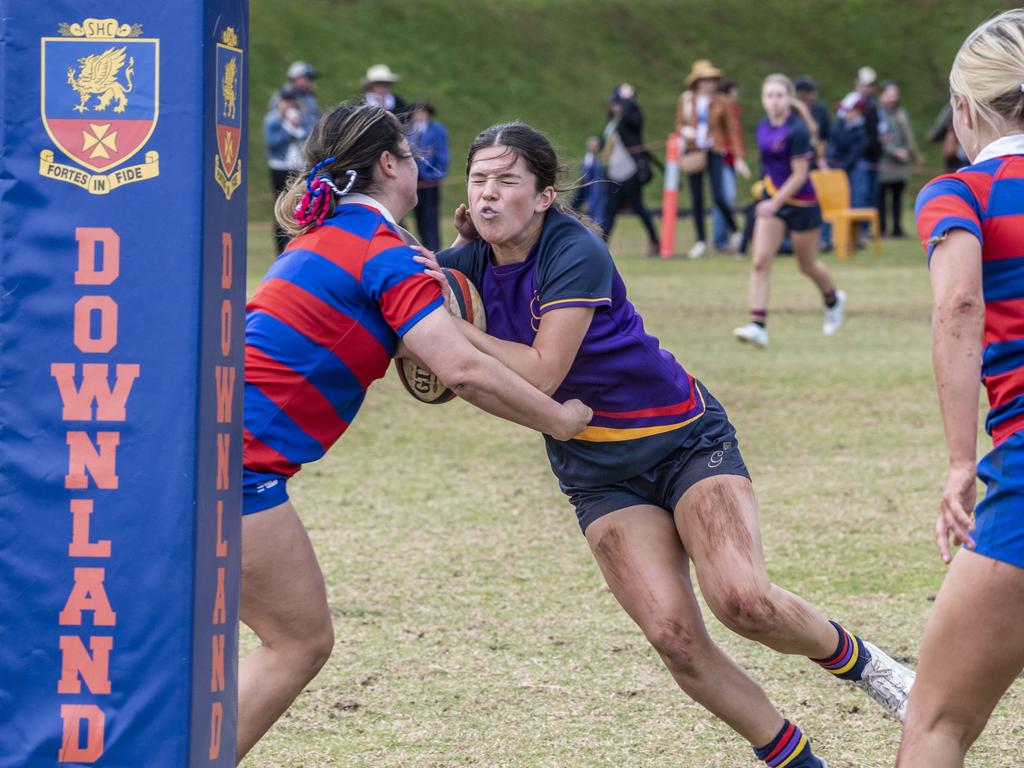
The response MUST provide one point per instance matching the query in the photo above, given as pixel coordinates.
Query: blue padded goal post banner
(122, 290)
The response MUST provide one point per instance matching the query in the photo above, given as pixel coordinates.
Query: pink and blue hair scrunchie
(315, 203)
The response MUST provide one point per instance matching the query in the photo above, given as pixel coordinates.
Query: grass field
(473, 628)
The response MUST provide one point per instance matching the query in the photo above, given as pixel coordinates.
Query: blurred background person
(302, 84)
(849, 135)
(708, 124)
(627, 162)
(864, 178)
(377, 89)
(941, 132)
(591, 196)
(284, 134)
(428, 140)
(789, 205)
(899, 151)
(807, 91)
(719, 230)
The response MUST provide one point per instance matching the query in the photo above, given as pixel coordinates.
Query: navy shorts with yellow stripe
(712, 450)
(999, 517)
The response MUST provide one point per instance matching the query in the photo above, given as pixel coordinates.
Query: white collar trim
(356, 198)
(1004, 145)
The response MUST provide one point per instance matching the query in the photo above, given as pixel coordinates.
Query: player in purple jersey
(659, 464)
(972, 224)
(321, 327)
(789, 206)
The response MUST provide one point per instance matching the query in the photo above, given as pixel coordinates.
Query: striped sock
(789, 749)
(850, 657)
(759, 317)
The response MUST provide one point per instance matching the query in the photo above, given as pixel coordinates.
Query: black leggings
(629, 191)
(893, 190)
(714, 169)
(278, 183)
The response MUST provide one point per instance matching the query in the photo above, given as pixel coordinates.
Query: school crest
(227, 165)
(100, 99)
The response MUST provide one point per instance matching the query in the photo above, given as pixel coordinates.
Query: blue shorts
(999, 517)
(712, 450)
(262, 490)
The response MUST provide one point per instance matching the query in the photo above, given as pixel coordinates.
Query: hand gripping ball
(463, 301)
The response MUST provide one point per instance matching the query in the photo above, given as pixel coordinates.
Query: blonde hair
(988, 72)
(354, 135)
(801, 108)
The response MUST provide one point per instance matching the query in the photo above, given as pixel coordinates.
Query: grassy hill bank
(553, 62)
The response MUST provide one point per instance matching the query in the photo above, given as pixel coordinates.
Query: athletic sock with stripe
(789, 749)
(850, 657)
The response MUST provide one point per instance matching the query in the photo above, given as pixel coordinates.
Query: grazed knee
(748, 611)
(680, 647)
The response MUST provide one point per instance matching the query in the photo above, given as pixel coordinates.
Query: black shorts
(800, 218)
(713, 450)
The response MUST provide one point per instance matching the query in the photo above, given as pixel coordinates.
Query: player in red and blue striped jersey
(972, 224)
(322, 326)
(657, 479)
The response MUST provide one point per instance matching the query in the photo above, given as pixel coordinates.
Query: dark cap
(426, 106)
(805, 83)
(288, 94)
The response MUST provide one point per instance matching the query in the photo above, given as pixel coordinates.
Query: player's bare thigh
(972, 651)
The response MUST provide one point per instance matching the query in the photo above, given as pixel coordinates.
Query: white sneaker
(698, 250)
(753, 333)
(735, 241)
(887, 682)
(834, 315)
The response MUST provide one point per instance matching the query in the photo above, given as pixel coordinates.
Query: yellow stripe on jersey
(574, 301)
(772, 190)
(612, 435)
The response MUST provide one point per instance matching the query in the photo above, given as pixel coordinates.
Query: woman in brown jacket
(708, 127)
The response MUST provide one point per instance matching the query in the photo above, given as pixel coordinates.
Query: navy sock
(850, 657)
(789, 749)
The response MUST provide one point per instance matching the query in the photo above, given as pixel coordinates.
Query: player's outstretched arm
(958, 321)
(545, 363)
(487, 383)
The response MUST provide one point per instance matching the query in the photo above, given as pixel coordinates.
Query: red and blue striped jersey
(320, 328)
(987, 200)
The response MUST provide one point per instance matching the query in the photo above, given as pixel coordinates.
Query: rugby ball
(463, 301)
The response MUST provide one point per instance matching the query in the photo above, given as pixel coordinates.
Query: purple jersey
(779, 144)
(644, 403)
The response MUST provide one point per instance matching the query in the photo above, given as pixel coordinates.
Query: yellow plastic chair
(833, 191)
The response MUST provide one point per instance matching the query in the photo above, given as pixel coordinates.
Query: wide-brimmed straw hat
(702, 69)
(379, 73)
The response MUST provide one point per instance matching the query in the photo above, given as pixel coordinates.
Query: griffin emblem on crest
(97, 75)
(227, 86)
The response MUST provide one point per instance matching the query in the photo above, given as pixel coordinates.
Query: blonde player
(972, 222)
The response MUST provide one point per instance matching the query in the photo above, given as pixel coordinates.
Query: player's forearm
(957, 330)
(524, 360)
(492, 387)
